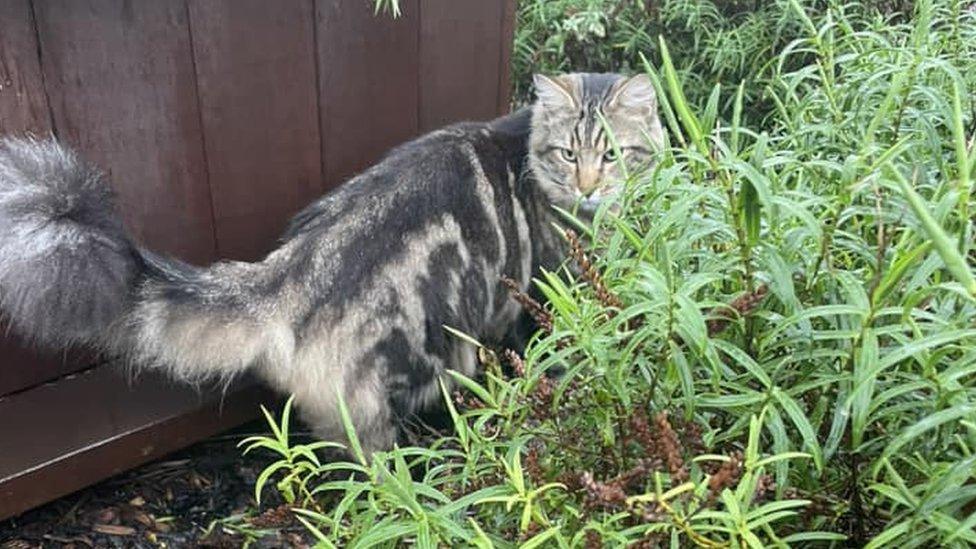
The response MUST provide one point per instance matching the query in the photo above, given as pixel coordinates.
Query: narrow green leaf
(953, 260)
(679, 101)
(889, 535)
(799, 419)
(926, 424)
(539, 539)
(350, 429)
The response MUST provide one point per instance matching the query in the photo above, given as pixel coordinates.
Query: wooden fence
(216, 120)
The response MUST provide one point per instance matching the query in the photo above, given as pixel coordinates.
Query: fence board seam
(203, 129)
(506, 31)
(420, 66)
(40, 66)
(320, 120)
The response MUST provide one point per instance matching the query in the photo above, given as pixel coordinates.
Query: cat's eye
(568, 155)
(610, 156)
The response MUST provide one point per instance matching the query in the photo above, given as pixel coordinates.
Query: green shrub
(715, 41)
(712, 41)
(770, 343)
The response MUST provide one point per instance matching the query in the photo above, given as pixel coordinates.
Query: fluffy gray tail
(70, 275)
(67, 268)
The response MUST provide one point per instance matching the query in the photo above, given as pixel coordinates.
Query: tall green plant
(712, 41)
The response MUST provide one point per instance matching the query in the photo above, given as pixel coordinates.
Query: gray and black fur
(354, 300)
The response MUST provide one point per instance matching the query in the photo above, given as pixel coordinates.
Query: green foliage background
(771, 343)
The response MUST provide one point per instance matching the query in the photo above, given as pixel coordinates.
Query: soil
(198, 497)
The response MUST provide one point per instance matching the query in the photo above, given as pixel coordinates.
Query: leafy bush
(770, 343)
(724, 40)
(711, 41)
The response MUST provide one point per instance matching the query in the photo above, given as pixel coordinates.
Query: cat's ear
(554, 92)
(636, 92)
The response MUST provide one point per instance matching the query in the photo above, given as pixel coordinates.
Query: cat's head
(570, 152)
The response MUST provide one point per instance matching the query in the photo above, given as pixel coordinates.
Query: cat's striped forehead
(590, 92)
(594, 87)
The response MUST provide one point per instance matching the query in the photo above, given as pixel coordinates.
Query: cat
(356, 298)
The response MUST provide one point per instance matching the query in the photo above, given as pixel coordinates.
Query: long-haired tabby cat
(357, 296)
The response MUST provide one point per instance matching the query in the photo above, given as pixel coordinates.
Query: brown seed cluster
(540, 399)
(533, 530)
(765, 487)
(740, 306)
(661, 441)
(531, 306)
(532, 466)
(670, 448)
(727, 475)
(590, 273)
(608, 495)
(515, 361)
(276, 517)
(650, 541)
(467, 402)
(593, 540)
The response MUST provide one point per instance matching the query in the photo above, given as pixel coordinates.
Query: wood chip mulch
(168, 503)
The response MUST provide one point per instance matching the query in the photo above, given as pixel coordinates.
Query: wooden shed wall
(216, 120)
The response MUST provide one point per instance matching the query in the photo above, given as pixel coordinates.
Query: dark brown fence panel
(367, 83)
(120, 79)
(255, 65)
(459, 55)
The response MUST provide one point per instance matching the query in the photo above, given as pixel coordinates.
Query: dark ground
(174, 502)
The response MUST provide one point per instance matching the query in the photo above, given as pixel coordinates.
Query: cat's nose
(589, 181)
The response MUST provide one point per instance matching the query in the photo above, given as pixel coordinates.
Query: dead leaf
(69, 541)
(113, 530)
(143, 519)
(107, 515)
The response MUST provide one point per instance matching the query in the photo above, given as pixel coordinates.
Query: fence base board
(62, 436)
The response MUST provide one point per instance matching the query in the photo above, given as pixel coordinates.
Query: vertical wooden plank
(119, 75)
(506, 43)
(255, 66)
(367, 83)
(459, 60)
(23, 106)
(23, 109)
